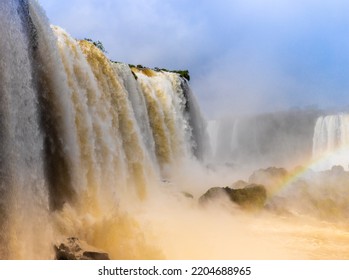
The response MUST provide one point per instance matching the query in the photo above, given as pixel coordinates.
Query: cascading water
(331, 142)
(113, 155)
(270, 139)
(23, 187)
(80, 136)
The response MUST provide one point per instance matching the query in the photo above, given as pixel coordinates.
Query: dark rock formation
(213, 194)
(338, 170)
(272, 178)
(239, 184)
(250, 197)
(267, 174)
(74, 249)
(188, 195)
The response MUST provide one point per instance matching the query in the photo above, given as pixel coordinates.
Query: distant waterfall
(282, 138)
(331, 142)
(79, 133)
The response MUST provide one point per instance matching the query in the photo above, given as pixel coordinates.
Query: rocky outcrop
(239, 184)
(272, 178)
(213, 194)
(252, 196)
(188, 195)
(73, 249)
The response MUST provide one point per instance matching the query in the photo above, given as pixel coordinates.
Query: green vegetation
(98, 44)
(183, 73)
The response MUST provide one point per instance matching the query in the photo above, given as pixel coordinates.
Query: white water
(81, 138)
(87, 150)
(21, 146)
(280, 139)
(331, 142)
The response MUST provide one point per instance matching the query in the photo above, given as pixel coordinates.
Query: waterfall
(331, 142)
(79, 134)
(282, 138)
(23, 187)
(198, 127)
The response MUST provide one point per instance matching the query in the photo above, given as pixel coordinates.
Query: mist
(281, 138)
(247, 160)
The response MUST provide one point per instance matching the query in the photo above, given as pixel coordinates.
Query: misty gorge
(122, 158)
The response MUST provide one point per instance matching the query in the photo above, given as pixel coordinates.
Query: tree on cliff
(98, 44)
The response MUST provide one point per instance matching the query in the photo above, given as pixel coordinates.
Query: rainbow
(338, 157)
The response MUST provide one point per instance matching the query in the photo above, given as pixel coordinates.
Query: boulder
(337, 169)
(213, 194)
(187, 195)
(252, 196)
(272, 178)
(72, 248)
(239, 184)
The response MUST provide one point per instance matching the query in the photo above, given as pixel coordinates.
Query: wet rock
(272, 178)
(188, 195)
(213, 194)
(252, 196)
(338, 170)
(239, 184)
(73, 249)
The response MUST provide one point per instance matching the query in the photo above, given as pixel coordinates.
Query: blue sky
(243, 55)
